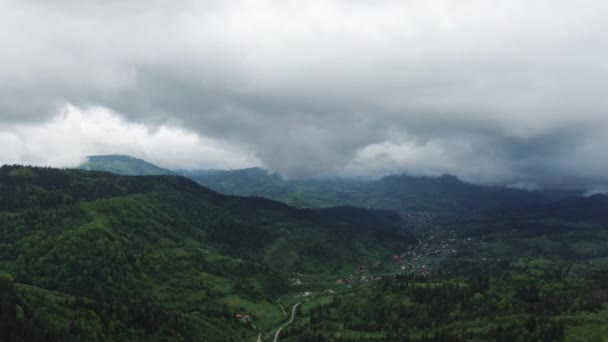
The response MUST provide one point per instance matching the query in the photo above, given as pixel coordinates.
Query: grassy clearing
(587, 327)
(265, 314)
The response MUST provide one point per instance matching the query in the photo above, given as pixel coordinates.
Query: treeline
(42, 187)
(22, 318)
(496, 302)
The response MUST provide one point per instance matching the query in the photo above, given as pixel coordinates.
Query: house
(243, 318)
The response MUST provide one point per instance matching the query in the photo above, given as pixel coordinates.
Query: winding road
(293, 316)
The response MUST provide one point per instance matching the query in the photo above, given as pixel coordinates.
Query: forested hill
(160, 257)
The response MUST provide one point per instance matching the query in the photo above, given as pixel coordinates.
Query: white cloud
(74, 133)
(506, 91)
(434, 157)
(596, 190)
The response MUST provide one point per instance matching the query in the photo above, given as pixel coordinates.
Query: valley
(303, 171)
(163, 258)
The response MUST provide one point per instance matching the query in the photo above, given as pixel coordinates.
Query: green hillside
(524, 275)
(162, 258)
(98, 256)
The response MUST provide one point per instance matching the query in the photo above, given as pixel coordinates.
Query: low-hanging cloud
(74, 133)
(505, 92)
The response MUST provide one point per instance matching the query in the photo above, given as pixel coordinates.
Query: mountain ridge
(399, 192)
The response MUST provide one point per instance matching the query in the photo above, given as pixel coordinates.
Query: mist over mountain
(304, 171)
(397, 192)
(494, 94)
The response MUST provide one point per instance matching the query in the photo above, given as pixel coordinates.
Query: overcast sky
(511, 92)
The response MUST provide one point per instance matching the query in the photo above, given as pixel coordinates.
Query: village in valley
(433, 245)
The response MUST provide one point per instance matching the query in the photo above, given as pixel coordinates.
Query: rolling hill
(161, 257)
(95, 255)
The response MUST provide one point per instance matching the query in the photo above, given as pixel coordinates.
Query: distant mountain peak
(123, 164)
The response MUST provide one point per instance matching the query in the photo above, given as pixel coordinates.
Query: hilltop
(123, 165)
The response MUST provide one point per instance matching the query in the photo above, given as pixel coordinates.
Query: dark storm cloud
(504, 91)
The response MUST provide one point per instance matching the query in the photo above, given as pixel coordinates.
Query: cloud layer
(495, 92)
(72, 134)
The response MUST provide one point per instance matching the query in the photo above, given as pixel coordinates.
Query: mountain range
(124, 250)
(401, 192)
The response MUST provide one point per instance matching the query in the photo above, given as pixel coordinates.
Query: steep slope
(123, 165)
(165, 243)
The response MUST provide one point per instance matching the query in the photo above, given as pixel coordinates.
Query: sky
(494, 92)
